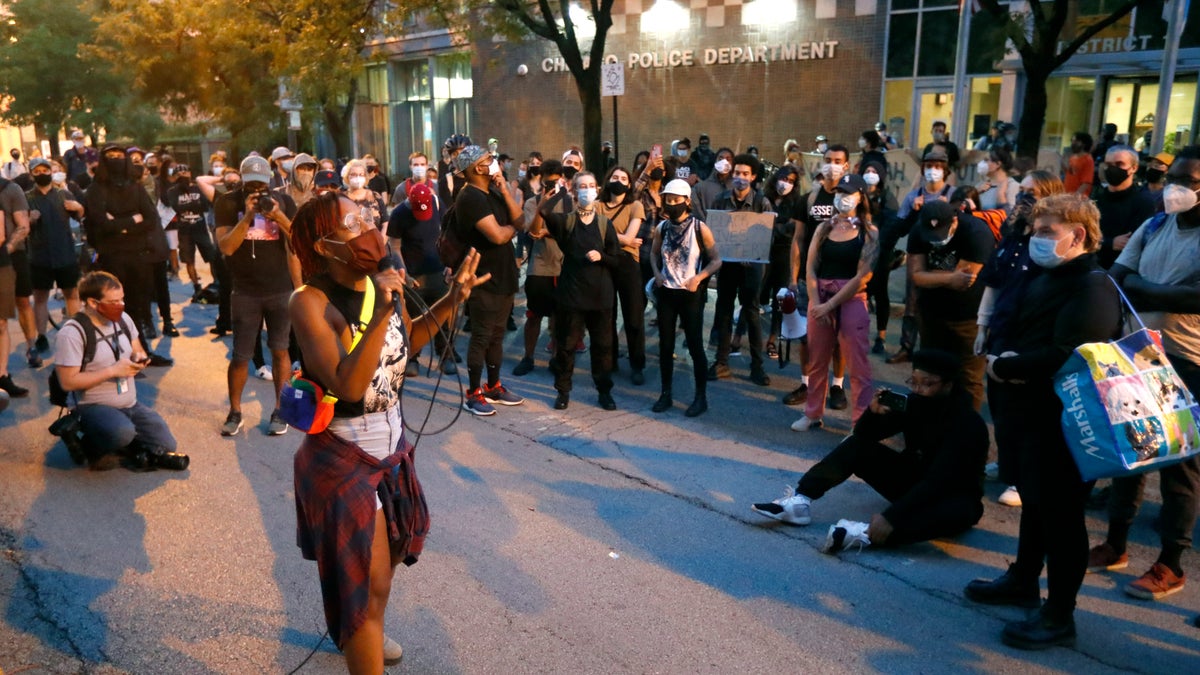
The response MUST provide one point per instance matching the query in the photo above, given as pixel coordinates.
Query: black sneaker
(797, 396)
(837, 398)
(523, 367)
(663, 403)
(562, 401)
(637, 378)
(33, 358)
(607, 402)
(160, 361)
(169, 329)
(1007, 589)
(698, 407)
(1039, 631)
(42, 344)
(7, 384)
(512, 324)
(759, 377)
(879, 347)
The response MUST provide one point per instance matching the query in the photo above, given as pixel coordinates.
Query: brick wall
(738, 104)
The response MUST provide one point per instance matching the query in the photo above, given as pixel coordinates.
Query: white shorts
(376, 433)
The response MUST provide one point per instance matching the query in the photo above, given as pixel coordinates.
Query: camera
(265, 203)
(892, 400)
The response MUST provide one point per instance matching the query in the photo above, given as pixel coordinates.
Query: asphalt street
(579, 541)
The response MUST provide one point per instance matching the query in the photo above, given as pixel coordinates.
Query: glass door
(930, 104)
(1130, 104)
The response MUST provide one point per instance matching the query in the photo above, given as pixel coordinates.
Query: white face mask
(723, 166)
(833, 171)
(871, 178)
(287, 165)
(418, 172)
(78, 145)
(1178, 199)
(58, 177)
(982, 167)
(934, 175)
(862, 143)
(357, 182)
(493, 168)
(822, 147)
(218, 170)
(939, 136)
(783, 187)
(845, 204)
(1043, 251)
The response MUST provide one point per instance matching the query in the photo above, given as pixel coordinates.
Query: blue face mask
(740, 183)
(1043, 251)
(586, 196)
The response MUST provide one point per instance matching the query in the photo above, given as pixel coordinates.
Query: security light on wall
(665, 17)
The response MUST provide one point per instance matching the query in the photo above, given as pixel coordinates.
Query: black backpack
(59, 396)
(450, 245)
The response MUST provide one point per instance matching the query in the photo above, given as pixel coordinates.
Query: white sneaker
(844, 534)
(1010, 497)
(806, 423)
(792, 508)
(264, 373)
(992, 470)
(393, 653)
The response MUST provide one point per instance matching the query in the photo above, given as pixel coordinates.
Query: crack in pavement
(40, 606)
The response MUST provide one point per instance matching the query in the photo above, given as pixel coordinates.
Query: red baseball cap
(420, 199)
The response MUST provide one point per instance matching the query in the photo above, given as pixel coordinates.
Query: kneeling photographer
(934, 484)
(97, 356)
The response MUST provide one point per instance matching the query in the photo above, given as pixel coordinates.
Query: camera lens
(174, 461)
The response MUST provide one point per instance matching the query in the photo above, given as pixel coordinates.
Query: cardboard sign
(742, 236)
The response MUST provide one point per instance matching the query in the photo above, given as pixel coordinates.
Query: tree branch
(1073, 46)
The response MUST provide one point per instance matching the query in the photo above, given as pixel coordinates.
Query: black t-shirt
(188, 203)
(1121, 213)
(471, 206)
(50, 241)
(817, 209)
(259, 266)
(418, 239)
(972, 242)
(583, 284)
(379, 184)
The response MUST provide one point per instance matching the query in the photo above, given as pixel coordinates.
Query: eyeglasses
(355, 222)
(925, 384)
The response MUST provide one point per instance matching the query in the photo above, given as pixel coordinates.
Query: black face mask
(153, 170)
(137, 171)
(617, 188)
(15, 155)
(1115, 175)
(569, 172)
(1155, 175)
(675, 212)
(42, 179)
(535, 171)
(116, 166)
(656, 174)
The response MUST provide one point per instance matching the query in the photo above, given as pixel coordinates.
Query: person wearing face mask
(487, 218)
(216, 164)
(870, 144)
(1156, 175)
(377, 181)
(684, 257)
(544, 260)
(932, 484)
(120, 219)
(1065, 302)
(302, 186)
(360, 507)
(741, 281)
(820, 144)
(354, 176)
(883, 208)
(572, 162)
(1002, 278)
(281, 164)
(190, 205)
(253, 225)
(819, 207)
(945, 256)
(14, 167)
(997, 190)
(788, 204)
(418, 169)
(1159, 270)
(76, 158)
(448, 181)
(681, 151)
(104, 390)
(887, 142)
(52, 256)
(530, 184)
(647, 189)
(618, 204)
(791, 152)
(704, 158)
(719, 180)
(585, 296)
(840, 263)
(1123, 204)
(941, 138)
(933, 187)
(1079, 169)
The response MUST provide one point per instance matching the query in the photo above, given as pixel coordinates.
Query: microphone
(391, 261)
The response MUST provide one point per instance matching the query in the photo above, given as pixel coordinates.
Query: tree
(558, 26)
(46, 76)
(1036, 35)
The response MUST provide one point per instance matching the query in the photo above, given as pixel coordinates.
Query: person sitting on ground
(934, 483)
(115, 425)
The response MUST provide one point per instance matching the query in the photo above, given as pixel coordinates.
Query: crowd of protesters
(1003, 277)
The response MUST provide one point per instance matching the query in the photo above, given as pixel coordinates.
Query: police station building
(757, 72)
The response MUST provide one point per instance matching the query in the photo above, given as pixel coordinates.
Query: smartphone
(656, 150)
(892, 400)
